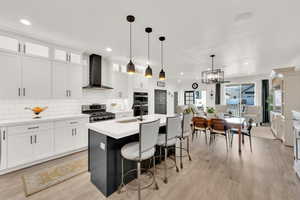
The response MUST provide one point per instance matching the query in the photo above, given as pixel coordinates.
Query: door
(20, 149)
(43, 144)
(175, 101)
(10, 75)
(75, 80)
(64, 139)
(160, 99)
(59, 80)
(36, 77)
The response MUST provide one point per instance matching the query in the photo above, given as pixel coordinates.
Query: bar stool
(142, 150)
(169, 139)
(185, 134)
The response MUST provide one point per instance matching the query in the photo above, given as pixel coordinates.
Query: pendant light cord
(148, 48)
(130, 43)
(212, 63)
(162, 58)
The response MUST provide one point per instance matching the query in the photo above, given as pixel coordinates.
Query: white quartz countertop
(14, 122)
(116, 129)
(120, 111)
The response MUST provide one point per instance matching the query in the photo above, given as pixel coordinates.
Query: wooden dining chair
(218, 127)
(200, 124)
(245, 131)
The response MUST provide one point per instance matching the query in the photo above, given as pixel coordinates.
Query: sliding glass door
(238, 96)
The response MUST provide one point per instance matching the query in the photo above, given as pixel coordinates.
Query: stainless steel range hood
(96, 73)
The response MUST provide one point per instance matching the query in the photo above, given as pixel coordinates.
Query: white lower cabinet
(20, 149)
(43, 144)
(25, 144)
(63, 140)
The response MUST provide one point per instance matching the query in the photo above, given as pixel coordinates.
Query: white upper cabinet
(36, 50)
(10, 76)
(9, 44)
(59, 80)
(106, 73)
(60, 55)
(75, 58)
(75, 81)
(36, 77)
(67, 80)
(66, 56)
(28, 69)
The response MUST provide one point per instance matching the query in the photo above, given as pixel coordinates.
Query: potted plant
(210, 112)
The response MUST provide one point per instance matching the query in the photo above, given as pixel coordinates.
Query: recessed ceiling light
(181, 73)
(25, 22)
(108, 49)
(246, 63)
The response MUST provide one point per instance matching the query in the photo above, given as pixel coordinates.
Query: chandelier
(213, 76)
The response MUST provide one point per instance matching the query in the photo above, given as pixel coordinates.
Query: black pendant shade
(162, 74)
(130, 65)
(148, 71)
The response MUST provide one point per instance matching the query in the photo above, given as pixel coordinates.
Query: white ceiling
(248, 36)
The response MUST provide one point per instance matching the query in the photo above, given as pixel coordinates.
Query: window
(238, 96)
(189, 97)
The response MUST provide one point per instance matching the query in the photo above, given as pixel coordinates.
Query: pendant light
(148, 72)
(162, 74)
(130, 65)
(213, 76)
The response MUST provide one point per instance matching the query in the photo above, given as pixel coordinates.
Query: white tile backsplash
(14, 109)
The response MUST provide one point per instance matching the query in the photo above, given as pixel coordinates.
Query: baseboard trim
(8, 170)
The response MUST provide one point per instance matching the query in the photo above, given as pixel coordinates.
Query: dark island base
(105, 164)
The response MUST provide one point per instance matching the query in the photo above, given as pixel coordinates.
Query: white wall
(186, 85)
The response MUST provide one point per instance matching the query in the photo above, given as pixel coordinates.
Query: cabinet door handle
(24, 48)
(72, 132)
(73, 122)
(19, 47)
(19, 91)
(24, 92)
(75, 131)
(4, 136)
(33, 127)
(35, 139)
(70, 94)
(67, 93)
(31, 139)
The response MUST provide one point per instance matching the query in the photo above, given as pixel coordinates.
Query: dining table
(234, 122)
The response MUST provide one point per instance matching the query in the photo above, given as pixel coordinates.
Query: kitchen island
(105, 142)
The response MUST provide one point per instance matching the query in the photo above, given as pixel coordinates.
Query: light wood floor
(214, 174)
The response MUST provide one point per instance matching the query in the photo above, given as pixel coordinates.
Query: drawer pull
(73, 122)
(34, 127)
(4, 135)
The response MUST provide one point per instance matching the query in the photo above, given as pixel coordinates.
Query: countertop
(21, 121)
(117, 130)
(120, 111)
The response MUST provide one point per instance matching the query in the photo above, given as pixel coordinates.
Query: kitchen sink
(128, 121)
